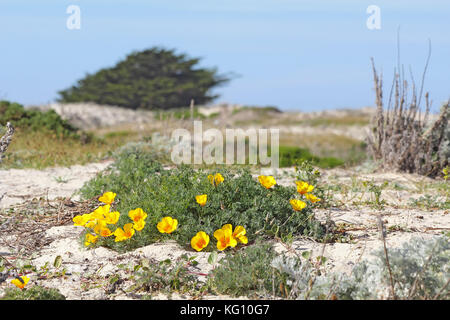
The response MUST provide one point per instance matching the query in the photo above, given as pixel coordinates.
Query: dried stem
(383, 238)
(6, 140)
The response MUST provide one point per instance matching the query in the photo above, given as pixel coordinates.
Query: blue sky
(297, 55)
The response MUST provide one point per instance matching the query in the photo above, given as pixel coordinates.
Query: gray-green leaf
(212, 257)
(58, 261)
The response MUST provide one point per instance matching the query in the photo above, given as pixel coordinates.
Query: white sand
(19, 185)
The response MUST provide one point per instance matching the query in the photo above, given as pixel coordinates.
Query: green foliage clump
(260, 110)
(179, 113)
(141, 182)
(35, 120)
(166, 276)
(431, 202)
(305, 171)
(32, 293)
(248, 272)
(151, 79)
(291, 155)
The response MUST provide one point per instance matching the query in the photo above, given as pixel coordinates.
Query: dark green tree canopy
(151, 79)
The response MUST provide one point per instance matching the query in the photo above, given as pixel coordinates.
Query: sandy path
(19, 185)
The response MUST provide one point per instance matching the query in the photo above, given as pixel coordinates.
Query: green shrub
(289, 156)
(178, 113)
(35, 120)
(305, 171)
(248, 272)
(260, 110)
(166, 276)
(141, 182)
(430, 201)
(32, 293)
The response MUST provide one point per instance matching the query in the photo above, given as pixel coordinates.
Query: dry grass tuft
(24, 228)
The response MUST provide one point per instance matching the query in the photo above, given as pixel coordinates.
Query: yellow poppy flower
(225, 237)
(101, 212)
(137, 214)
(90, 239)
(91, 223)
(239, 234)
(267, 181)
(105, 232)
(200, 241)
(19, 283)
(112, 217)
(124, 234)
(201, 199)
(312, 198)
(297, 205)
(227, 226)
(216, 179)
(167, 225)
(138, 226)
(81, 220)
(95, 217)
(303, 187)
(107, 197)
(99, 225)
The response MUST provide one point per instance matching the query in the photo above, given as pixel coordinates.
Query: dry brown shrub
(6, 140)
(404, 139)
